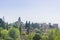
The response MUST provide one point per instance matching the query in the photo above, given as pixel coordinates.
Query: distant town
(28, 27)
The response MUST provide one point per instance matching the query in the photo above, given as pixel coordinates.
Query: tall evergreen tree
(28, 28)
(32, 24)
(2, 23)
(29, 23)
(26, 24)
(6, 25)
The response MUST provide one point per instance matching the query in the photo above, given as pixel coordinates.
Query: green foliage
(30, 36)
(11, 34)
(2, 23)
(51, 35)
(4, 33)
(14, 33)
(37, 30)
(35, 25)
(15, 25)
(37, 37)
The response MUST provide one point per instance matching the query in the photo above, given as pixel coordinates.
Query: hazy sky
(30, 10)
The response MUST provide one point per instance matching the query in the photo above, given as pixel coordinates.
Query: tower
(19, 21)
(3, 18)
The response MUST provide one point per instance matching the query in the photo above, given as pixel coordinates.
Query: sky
(40, 11)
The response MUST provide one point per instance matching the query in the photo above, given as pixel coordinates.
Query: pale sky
(30, 10)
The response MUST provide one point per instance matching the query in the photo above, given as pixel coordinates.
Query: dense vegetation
(13, 32)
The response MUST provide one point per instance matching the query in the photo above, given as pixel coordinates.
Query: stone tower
(3, 18)
(19, 22)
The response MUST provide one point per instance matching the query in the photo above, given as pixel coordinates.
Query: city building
(55, 25)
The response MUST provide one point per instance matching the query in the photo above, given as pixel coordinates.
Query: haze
(30, 10)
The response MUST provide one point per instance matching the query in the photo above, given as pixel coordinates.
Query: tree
(6, 25)
(35, 25)
(0, 31)
(30, 36)
(2, 23)
(15, 25)
(14, 33)
(26, 24)
(37, 37)
(4, 33)
(56, 33)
